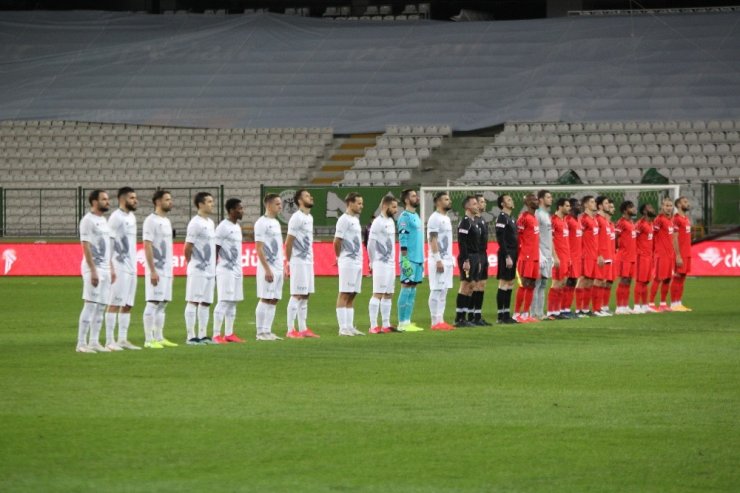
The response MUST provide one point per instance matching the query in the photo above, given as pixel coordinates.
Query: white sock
(159, 321)
(259, 314)
(293, 308)
(441, 302)
(124, 322)
(230, 317)
(303, 315)
(219, 314)
(191, 313)
(385, 311)
(374, 308)
(110, 327)
(269, 317)
(349, 314)
(149, 320)
(434, 306)
(97, 324)
(204, 314)
(342, 317)
(86, 317)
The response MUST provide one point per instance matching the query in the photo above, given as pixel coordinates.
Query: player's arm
(259, 247)
(188, 251)
(463, 235)
(337, 247)
(87, 252)
(679, 259)
(149, 257)
(112, 267)
(289, 239)
(434, 248)
(403, 235)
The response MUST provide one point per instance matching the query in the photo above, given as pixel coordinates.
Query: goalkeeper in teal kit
(411, 240)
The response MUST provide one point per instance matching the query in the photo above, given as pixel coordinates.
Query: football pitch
(647, 403)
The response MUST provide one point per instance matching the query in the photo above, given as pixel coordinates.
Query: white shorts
(384, 278)
(230, 287)
(439, 280)
(99, 294)
(123, 291)
(546, 267)
(350, 278)
(161, 292)
(301, 278)
(269, 290)
(199, 289)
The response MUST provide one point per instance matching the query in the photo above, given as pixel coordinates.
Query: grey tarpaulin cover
(267, 70)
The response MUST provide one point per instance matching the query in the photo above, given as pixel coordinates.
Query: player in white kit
(157, 236)
(441, 262)
(200, 254)
(348, 250)
(98, 273)
(381, 248)
(299, 253)
(229, 274)
(268, 239)
(122, 223)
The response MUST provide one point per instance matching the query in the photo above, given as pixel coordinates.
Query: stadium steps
(342, 157)
(449, 161)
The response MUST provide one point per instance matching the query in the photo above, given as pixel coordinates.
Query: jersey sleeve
(434, 225)
(404, 231)
(293, 225)
(463, 232)
(341, 229)
(260, 231)
(501, 224)
(86, 230)
(192, 232)
(114, 222)
(222, 234)
(147, 231)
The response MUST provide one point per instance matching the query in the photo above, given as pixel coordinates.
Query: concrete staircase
(342, 157)
(449, 161)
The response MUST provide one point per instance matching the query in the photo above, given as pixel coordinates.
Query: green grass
(644, 403)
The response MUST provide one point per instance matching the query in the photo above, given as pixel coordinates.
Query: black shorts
(484, 267)
(473, 274)
(503, 273)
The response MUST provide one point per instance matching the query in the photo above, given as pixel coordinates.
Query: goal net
(639, 194)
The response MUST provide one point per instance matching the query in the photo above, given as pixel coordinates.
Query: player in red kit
(644, 261)
(604, 259)
(682, 228)
(626, 255)
(667, 254)
(589, 246)
(575, 235)
(528, 263)
(561, 259)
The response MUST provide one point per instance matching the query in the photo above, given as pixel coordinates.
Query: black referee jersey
(483, 227)
(506, 236)
(468, 238)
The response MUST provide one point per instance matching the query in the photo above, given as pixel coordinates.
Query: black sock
(507, 302)
(462, 307)
(471, 306)
(479, 304)
(501, 303)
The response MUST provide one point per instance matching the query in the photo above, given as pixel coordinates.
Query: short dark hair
(439, 195)
(270, 197)
(125, 191)
(625, 205)
(388, 199)
(601, 199)
(500, 200)
(643, 207)
(352, 197)
(679, 200)
(95, 195)
(158, 195)
(586, 198)
(297, 195)
(467, 199)
(405, 194)
(200, 198)
(232, 204)
(561, 202)
(541, 194)
(575, 204)
(479, 196)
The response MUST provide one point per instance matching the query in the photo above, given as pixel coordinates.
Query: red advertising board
(711, 258)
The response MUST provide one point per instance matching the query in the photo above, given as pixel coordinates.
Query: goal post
(638, 194)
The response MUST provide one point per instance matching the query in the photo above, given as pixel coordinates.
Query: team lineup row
(213, 256)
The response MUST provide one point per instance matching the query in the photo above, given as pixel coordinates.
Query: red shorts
(664, 267)
(686, 267)
(644, 269)
(528, 268)
(624, 269)
(588, 269)
(561, 272)
(605, 272)
(575, 268)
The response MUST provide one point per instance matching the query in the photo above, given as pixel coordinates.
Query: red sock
(680, 291)
(677, 289)
(606, 294)
(664, 287)
(566, 300)
(643, 292)
(653, 291)
(528, 295)
(553, 300)
(588, 298)
(595, 298)
(579, 292)
(519, 300)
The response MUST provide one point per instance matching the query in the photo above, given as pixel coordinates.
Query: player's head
(99, 201)
(442, 201)
(627, 207)
(544, 198)
(162, 200)
(666, 206)
(303, 198)
(470, 204)
(531, 201)
(203, 201)
(410, 198)
(389, 206)
(127, 199)
(602, 203)
(481, 203)
(562, 206)
(647, 210)
(682, 204)
(575, 206)
(354, 203)
(588, 203)
(234, 209)
(273, 204)
(505, 202)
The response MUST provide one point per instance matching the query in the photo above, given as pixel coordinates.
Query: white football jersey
(267, 231)
(158, 230)
(202, 234)
(229, 241)
(349, 231)
(382, 241)
(94, 230)
(300, 227)
(123, 228)
(441, 224)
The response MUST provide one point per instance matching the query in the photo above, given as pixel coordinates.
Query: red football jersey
(644, 238)
(627, 247)
(560, 238)
(529, 236)
(663, 228)
(606, 238)
(682, 226)
(590, 235)
(575, 236)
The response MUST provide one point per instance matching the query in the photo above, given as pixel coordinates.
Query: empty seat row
(377, 175)
(381, 153)
(393, 142)
(612, 150)
(620, 138)
(439, 130)
(633, 175)
(618, 126)
(372, 163)
(603, 161)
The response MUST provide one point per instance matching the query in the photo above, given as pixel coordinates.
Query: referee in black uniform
(468, 260)
(508, 245)
(479, 289)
